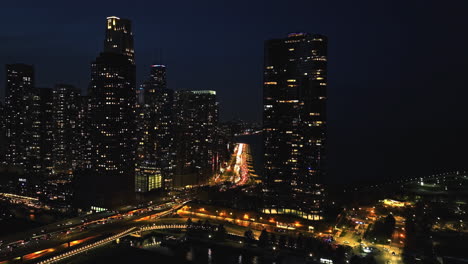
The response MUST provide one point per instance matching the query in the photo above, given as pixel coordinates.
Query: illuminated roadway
(237, 170)
(105, 241)
(112, 227)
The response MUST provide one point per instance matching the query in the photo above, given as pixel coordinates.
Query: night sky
(398, 83)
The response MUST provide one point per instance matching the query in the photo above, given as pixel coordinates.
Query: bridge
(102, 242)
(131, 231)
(123, 224)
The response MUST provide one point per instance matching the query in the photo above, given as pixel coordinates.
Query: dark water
(256, 148)
(211, 254)
(192, 252)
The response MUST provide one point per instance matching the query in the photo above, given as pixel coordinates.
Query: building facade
(47, 129)
(119, 37)
(66, 141)
(83, 130)
(21, 108)
(155, 129)
(196, 145)
(112, 120)
(294, 121)
(3, 142)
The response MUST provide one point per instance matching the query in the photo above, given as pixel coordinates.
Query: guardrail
(154, 227)
(87, 247)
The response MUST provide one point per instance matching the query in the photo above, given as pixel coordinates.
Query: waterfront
(192, 252)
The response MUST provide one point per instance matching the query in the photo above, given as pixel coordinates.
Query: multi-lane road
(71, 234)
(237, 169)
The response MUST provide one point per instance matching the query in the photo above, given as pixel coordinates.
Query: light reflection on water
(206, 254)
(209, 256)
(189, 255)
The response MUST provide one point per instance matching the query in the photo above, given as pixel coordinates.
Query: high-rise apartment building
(46, 129)
(83, 130)
(112, 124)
(21, 106)
(3, 142)
(196, 148)
(294, 123)
(65, 154)
(155, 126)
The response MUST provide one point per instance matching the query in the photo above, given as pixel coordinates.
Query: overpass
(131, 231)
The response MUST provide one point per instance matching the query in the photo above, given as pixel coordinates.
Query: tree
(249, 236)
(282, 241)
(389, 225)
(291, 241)
(263, 239)
(206, 225)
(189, 222)
(300, 241)
(355, 260)
(220, 233)
(340, 253)
(272, 239)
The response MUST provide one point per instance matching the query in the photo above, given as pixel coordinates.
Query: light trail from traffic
(237, 170)
(119, 220)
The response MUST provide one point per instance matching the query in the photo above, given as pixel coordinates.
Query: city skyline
(372, 69)
(159, 153)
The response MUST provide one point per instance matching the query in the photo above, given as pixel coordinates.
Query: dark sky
(397, 69)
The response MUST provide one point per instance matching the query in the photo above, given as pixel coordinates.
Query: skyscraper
(158, 76)
(83, 130)
(112, 117)
(66, 132)
(119, 37)
(295, 81)
(155, 131)
(196, 121)
(3, 143)
(47, 129)
(21, 111)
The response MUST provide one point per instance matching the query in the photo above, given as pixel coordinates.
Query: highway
(237, 170)
(87, 247)
(102, 230)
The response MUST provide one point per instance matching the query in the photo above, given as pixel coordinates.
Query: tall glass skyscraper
(112, 116)
(294, 121)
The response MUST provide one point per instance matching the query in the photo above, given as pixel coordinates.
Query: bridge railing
(171, 226)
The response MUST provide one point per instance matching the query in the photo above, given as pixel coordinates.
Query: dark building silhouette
(294, 122)
(112, 122)
(119, 37)
(155, 152)
(112, 119)
(196, 145)
(158, 76)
